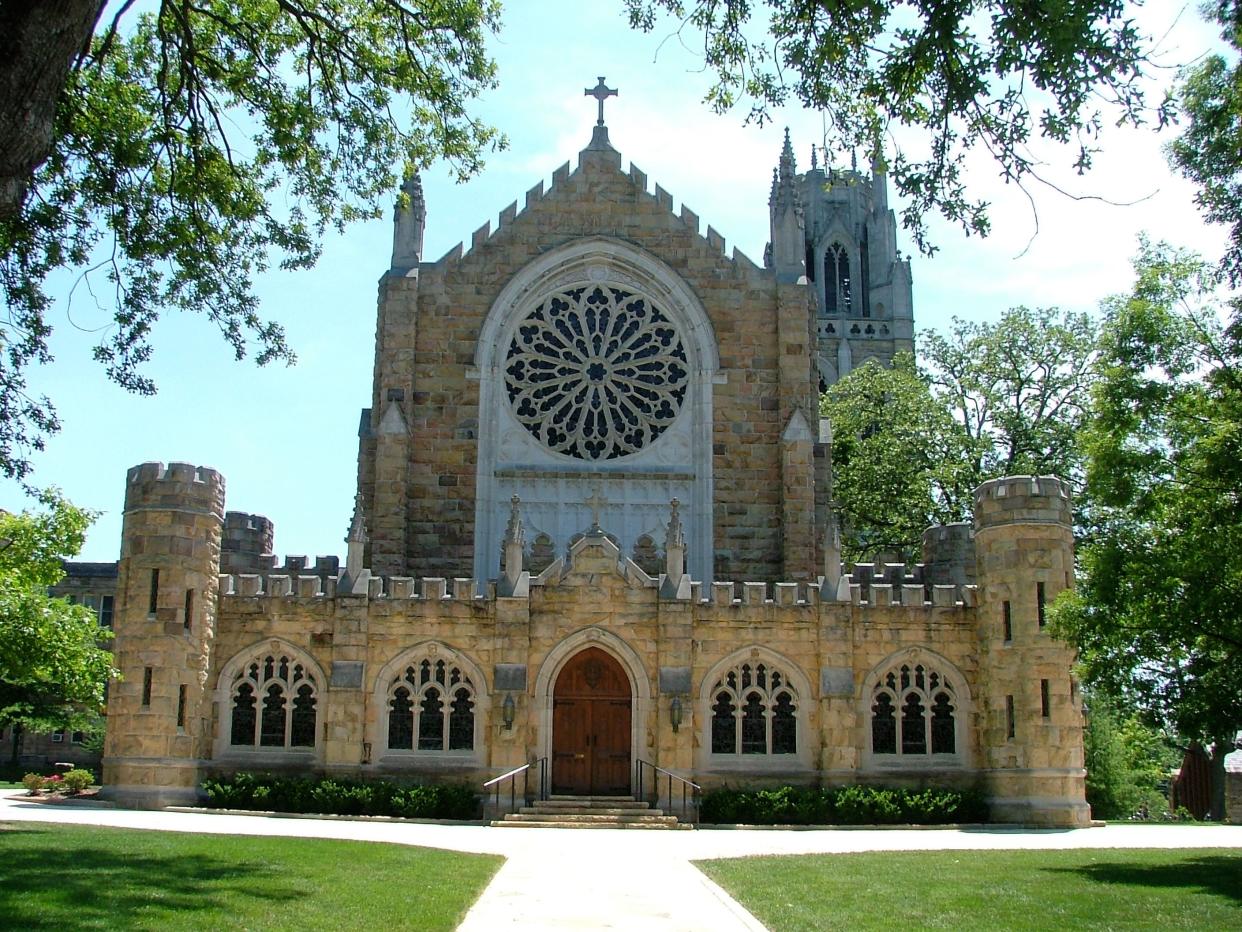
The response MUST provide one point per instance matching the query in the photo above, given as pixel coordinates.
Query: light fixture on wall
(674, 713)
(508, 711)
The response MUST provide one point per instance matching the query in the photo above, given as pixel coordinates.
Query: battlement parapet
(301, 585)
(177, 486)
(1022, 500)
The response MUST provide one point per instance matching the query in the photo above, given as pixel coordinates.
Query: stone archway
(592, 710)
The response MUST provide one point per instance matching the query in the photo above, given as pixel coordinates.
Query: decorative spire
(787, 219)
(355, 545)
(676, 585)
(814, 159)
(831, 582)
(409, 219)
(515, 548)
(674, 537)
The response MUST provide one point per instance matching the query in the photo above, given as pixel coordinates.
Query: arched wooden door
(591, 710)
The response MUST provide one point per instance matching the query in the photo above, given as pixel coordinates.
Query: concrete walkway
(563, 879)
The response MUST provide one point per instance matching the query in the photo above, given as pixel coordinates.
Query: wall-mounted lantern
(674, 713)
(508, 711)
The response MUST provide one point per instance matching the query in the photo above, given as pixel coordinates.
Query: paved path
(575, 879)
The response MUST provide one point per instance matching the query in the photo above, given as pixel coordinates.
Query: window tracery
(753, 711)
(274, 701)
(431, 707)
(596, 372)
(837, 279)
(914, 711)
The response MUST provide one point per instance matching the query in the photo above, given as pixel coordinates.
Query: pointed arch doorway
(592, 709)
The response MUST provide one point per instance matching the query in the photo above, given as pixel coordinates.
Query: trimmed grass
(1088, 889)
(80, 877)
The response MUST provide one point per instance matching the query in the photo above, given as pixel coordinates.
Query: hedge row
(341, 797)
(846, 805)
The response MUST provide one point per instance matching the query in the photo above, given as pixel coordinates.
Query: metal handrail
(689, 787)
(512, 776)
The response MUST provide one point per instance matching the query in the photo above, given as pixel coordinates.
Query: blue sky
(285, 438)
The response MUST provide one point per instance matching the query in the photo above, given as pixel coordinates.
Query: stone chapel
(592, 530)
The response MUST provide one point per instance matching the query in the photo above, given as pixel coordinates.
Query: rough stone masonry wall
(454, 296)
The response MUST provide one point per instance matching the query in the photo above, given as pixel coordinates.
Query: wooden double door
(591, 718)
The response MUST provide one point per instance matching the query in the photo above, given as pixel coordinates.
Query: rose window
(596, 372)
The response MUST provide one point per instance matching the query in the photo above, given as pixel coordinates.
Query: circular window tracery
(596, 372)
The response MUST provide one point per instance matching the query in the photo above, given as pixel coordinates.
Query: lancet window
(914, 711)
(837, 291)
(431, 708)
(274, 703)
(754, 711)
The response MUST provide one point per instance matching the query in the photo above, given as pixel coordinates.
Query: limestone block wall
(427, 343)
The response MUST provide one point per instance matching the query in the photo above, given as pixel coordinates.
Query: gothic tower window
(837, 279)
(431, 707)
(915, 710)
(273, 701)
(754, 711)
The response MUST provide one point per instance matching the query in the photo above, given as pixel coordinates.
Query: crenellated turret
(1030, 722)
(158, 723)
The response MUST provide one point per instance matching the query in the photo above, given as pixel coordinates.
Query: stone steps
(611, 812)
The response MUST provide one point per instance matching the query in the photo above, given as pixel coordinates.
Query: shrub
(337, 796)
(849, 805)
(76, 780)
(33, 782)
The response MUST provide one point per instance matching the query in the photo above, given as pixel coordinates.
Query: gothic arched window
(273, 702)
(837, 289)
(431, 707)
(914, 710)
(754, 711)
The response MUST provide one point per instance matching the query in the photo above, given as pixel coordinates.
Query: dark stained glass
(724, 726)
(302, 724)
(913, 726)
(401, 721)
(942, 725)
(754, 726)
(461, 722)
(431, 722)
(272, 728)
(784, 726)
(883, 726)
(242, 730)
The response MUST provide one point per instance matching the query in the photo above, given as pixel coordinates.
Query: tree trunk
(17, 743)
(1216, 810)
(40, 40)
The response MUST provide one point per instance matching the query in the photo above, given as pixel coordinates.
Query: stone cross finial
(595, 501)
(601, 93)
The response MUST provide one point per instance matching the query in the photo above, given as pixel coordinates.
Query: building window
(274, 701)
(1045, 699)
(181, 706)
(78, 737)
(1007, 619)
(1010, 730)
(153, 601)
(146, 686)
(431, 708)
(189, 608)
(914, 711)
(106, 606)
(58, 737)
(1040, 606)
(837, 279)
(754, 712)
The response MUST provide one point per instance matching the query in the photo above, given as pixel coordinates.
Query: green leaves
(961, 73)
(52, 670)
(200, 143)
(1156, 616)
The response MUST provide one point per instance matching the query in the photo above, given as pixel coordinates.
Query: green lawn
(1067, 890)
(78, 877)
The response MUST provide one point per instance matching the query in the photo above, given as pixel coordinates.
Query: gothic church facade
(578, 428)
